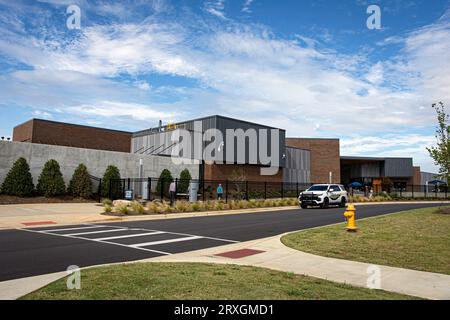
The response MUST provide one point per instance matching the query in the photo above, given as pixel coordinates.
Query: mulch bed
(4, 199)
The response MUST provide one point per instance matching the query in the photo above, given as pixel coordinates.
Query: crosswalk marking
(145, 244)
(131, 235)
(69, 229)
(110, 238)
(93, 232)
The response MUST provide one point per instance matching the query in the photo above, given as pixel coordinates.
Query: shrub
(219, 205)
(182, 206)
(108, 208)
(196, 206)
(185, 178)
(165, 177)
(51, 182)
(106, 201)
(123, 208)
(137, 207)
(18, 181)
(80, 185)
(112, 173)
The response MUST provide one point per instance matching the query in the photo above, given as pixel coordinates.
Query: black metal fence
(154, 188)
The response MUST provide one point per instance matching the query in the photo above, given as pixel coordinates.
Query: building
(72, 135)
(235, 148)
(378, 171)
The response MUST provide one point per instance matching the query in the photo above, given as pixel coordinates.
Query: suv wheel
(325, 204)
(303, 206)
(343, 202)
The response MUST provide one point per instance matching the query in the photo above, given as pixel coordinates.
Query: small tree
(51, 182)
(80, 185)
(441, 152)
(111, 178)
(238, 178)
(18, 181)
(166, 178)
(185, 178)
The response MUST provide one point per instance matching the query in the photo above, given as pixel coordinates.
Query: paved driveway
(29, 252)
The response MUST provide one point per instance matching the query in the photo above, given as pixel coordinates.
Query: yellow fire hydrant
(349, 214)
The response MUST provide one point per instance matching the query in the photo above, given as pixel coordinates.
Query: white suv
(323, 195)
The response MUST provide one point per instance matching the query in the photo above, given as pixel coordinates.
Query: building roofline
(71, 124)
(209, 117)
(371, 158)
(306, 138)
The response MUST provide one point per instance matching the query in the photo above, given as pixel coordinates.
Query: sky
(313, 68)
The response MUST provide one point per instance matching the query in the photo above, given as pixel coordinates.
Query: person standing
(219, 192)
(172, 192)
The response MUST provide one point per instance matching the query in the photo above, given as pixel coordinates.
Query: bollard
(349, 214)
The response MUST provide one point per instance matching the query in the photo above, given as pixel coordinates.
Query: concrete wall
(95, 160)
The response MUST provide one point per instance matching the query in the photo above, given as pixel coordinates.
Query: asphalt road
(30, 252)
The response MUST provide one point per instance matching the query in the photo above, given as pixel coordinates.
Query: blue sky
(311, 67)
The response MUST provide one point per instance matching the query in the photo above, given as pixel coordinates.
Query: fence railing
(154, 188)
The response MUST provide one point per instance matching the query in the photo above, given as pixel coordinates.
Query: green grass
(181, 281)
(416, 239)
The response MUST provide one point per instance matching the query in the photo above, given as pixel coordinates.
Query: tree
(441, 152)
(111, 179)
(80, 185)
(18, 181)
(51, 182)
(165, 177)
(238, 177)
(185, 178)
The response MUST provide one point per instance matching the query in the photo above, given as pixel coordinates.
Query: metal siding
(297, 166)
(398, 167)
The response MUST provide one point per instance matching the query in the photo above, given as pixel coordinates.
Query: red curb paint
(38, 223)
(239, 253)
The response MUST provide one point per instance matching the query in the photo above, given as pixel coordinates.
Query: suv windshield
(318, 188)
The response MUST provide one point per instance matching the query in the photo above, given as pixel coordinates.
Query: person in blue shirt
(219, 192)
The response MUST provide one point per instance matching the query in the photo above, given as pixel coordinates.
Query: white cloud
(243, 71)
(246, 6)
(215, 7)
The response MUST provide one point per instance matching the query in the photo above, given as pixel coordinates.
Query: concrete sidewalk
(15, 215)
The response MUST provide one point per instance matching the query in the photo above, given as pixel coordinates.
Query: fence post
(110, 190)
(265, 190)
(203, 190)
(246, 190)
(296, 195)
(176, 186)
(162, 189)
(282, 190)
(123, 188)
(99, 191)
(149, 189)
(412, 191)
(226, 191)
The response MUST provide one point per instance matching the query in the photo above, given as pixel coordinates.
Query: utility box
(193, 191)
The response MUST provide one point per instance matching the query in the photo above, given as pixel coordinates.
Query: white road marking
(131, 235)
(94, 240)
(69, 229)
(138, 246)
(145, 244)
(93, 232)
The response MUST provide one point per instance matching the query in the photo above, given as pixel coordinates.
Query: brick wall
(70, 135)
(325, 157)
(252, 172)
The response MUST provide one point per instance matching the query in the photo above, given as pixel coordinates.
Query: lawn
(182, 281)
(416, 239)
